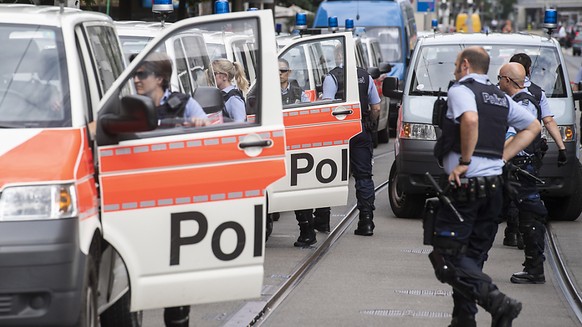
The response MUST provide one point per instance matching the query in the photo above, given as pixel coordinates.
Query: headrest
(210, 98)
(49, 65)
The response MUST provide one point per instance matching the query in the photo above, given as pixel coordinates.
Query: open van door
(185, 206)
(318, 131)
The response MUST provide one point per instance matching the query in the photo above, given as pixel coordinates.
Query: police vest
(363, 84)
(493, 109)
(293, 94)
(527, 98)
(228, 95)
(536, 91)
(174, 107)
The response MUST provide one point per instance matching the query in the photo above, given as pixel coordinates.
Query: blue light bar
(162, 6)
(551, 19)
(221, 7)
(278, 28)
(349, 24)
(252, 9)
(332, 23)
(434, 23)
(300, 21)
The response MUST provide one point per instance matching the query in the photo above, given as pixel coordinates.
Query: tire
(118, 315)
(88, 314)
(567, 208)
(403, 205)
(383, 136)
(269, 226)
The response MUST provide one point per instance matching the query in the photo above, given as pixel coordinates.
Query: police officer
(513, 237)
(531, 210)
(361, 148)
(472, 151)
(291, 92)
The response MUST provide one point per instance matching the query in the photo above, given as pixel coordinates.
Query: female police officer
(472, 152)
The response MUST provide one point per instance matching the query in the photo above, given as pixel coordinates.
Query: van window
(34, 87)
(106, 54)
(390, 42)
(436, 64)
(191, 62)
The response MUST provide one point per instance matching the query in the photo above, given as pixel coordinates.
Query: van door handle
(262, 144)
(342, 112)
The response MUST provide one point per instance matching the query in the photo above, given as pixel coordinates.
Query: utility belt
(475, 188)
(522, 162)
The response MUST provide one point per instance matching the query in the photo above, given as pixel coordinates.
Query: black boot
(321, 220)
(177, 316)
(510, 238)
(502, 308)
(306, 235)
(365, 225)
(533, 273)
(463, 321)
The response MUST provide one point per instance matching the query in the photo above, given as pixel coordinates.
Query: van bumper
(559, 181)
(41, 272)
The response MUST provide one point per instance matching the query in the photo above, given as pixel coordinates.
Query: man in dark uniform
(472, 152)
(291, 92)
(361, 150)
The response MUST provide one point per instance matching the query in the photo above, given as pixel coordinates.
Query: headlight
(418, 131)
(38, 202)
(567, 131)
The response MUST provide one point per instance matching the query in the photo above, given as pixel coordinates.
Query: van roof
(482, 38)
(367, 11)
(44, 15)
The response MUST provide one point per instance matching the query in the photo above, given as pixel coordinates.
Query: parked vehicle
(395, 28)
(432, 67)
(95, 222)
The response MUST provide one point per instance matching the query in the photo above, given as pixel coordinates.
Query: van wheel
(567, 208)
(383, 136)
(403, 205)
(118, 315)
(88, 314)
(269, 226)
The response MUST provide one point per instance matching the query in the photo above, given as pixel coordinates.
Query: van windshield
(34, 89)
(390, 41)
(435, 66)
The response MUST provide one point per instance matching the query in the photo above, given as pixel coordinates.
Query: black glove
(562, 160)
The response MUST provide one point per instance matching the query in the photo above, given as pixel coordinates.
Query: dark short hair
(160, 64)
(285, 62)
(522, 59)
(477, 57)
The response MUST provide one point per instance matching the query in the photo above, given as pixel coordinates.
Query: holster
(431, 208)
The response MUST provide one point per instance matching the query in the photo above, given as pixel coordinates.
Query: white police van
(431, 70)
(96, 227)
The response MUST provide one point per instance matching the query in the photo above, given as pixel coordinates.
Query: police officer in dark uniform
(472, 152)
(291, 92)
(513, 236)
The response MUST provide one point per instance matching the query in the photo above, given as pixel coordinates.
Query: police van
(98, 225)
(390, 21)
(431, 70)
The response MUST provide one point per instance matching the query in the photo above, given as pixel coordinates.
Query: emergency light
(221, 7)
(435, 24)
(278, 28)
(162, 6)
(300, 21)
(252, 9)
(551, 19)
(349, 24)
(332, 23)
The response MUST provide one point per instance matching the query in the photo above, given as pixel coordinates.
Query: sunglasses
(283, 71)
(141, 75)
(499, 77)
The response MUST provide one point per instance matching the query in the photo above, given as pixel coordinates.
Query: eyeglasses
(141, 75)
(283, 71)
(499, 77)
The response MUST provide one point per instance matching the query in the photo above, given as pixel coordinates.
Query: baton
(442, 197)
(526, 174)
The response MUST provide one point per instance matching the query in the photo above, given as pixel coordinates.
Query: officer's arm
(522, 139)
(554, 131)
(469, 133)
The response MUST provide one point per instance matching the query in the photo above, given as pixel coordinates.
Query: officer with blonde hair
(225, 72)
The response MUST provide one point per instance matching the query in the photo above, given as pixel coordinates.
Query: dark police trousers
(361, 152)
(532, 218)
(464, 245)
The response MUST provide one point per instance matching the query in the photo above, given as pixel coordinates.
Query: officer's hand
(562, 159)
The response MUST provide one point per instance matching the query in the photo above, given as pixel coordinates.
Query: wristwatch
(464, 163)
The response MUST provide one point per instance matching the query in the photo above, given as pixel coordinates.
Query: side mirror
(374, 72)
(385, 67)
(210, 98)
(390, 88)
(137, 113)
